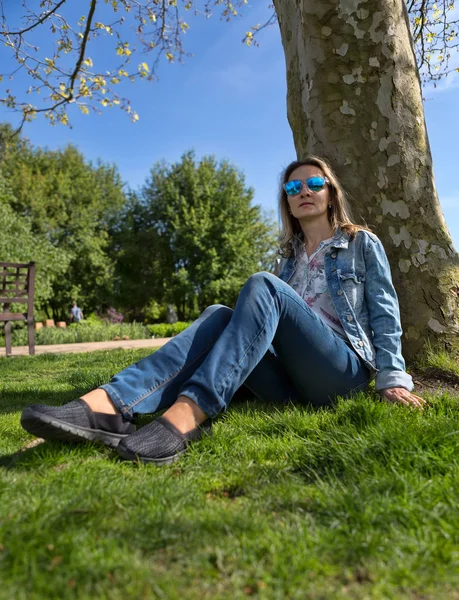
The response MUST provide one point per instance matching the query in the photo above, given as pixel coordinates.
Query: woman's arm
(392, 380)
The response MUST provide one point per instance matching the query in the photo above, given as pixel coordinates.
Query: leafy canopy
(72, 204)
(191, 237)
(18, 243)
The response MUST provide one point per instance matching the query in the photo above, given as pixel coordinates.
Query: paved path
(88, 346)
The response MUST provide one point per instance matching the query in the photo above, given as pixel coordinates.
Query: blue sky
(230, 101)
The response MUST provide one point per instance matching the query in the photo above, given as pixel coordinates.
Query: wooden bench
(17, 286)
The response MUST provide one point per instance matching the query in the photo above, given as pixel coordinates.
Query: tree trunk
(354, 97)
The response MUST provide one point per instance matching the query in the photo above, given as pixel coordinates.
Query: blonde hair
(338, 212)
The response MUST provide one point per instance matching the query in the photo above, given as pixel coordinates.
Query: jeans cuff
(210, 409)
(118, 403)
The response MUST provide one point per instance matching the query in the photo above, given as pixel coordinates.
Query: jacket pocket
(352, 283)
(352, 277)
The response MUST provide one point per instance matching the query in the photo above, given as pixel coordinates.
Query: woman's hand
(402, 396)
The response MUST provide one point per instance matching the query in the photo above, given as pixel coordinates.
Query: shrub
(91, 319)
(161, 330)
(154, 311)
(93, 331)
(81, 332)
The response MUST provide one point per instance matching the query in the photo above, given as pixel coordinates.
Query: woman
(325, 326)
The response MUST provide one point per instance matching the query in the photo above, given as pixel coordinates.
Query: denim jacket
(360, 285)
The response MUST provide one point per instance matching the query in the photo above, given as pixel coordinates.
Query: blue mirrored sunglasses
(314, 184)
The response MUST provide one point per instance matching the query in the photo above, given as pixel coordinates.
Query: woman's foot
(160, 442)
(99, 401)
(164, 440)
(75, 422)
(185, 414)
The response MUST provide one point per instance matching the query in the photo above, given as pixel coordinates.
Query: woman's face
(308, 205)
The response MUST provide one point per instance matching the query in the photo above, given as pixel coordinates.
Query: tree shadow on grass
(12, 401)
(52, 454)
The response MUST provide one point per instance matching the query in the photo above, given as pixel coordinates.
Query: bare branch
(82, 51)
(37, 23)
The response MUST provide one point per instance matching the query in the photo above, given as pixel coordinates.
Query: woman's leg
(318, 363)
(153, 383)
(309, 363)
(206, 364)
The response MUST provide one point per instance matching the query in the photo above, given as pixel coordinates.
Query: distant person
(76, 314)
(325, 326)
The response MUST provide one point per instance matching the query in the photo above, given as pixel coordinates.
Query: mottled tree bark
(354, 97)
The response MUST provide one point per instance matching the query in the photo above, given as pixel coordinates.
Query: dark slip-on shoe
(75, 422)
(160, 442)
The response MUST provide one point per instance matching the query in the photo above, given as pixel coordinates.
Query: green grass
(358, 502)
(440, 363)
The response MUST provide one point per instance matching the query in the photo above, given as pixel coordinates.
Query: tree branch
(80, 58)
(39, 22)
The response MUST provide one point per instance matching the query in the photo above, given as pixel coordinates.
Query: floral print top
(310, 282)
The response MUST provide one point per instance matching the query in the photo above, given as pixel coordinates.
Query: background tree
(354, 96)
(137, 254)
(192, 237)
(73, 204)
(18, 243)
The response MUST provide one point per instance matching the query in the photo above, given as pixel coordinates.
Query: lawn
(283, 502)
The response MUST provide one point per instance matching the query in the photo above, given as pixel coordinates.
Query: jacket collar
(340, 239)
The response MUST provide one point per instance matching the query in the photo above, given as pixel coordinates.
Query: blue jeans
(272, 342)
